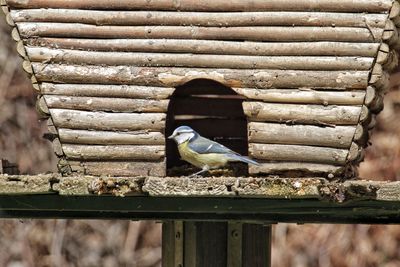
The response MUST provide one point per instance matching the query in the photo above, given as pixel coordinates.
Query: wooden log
(113, 152)
(390, 34)
(42, 108)
(370, 96)
(217, 5)
(223, 19)
(15, 34)
(379, 78)
(172, 77)
(296, 153)
(106, 104)
(361, 135)
(100, 90)
(206, 106)
(383, 54)
(258, 33)
(309, 114)
(295, 167)
(87, 120)
(57, 147)
(392, 62)
(118, 168)
(111, 138)
(355, 153)
(303, 96)
(394, 14)
(211, 47)
(39, 54)
(275, 133)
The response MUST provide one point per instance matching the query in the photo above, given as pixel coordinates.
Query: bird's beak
(171, 136)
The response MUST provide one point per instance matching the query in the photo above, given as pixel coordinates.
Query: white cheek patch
(183, 137)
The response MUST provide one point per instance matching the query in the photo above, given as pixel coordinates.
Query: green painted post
(216, 244)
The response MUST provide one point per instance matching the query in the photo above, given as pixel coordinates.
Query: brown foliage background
(125, 243)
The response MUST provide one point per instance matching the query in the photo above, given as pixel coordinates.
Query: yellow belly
(211, 160)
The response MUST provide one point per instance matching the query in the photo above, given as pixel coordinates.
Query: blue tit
(202, 152)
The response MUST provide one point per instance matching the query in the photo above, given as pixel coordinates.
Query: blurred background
(26, 243)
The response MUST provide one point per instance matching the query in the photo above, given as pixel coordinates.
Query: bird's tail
(243, 159)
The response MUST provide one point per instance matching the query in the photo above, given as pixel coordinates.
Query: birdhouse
(293, 84)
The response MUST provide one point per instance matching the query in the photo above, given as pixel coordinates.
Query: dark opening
(213, 110)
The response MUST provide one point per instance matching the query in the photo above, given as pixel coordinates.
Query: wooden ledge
(240, 187)
(266, 200)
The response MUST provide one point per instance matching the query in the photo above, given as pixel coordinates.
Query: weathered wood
(390, 34)
(172, 77)
(106, 104)
(39, 54)
(223, 19)
(101, 90)
(218, 5)
(57, 147)
(259, 33)
(297, 153)
(309, 114)
(74, 119)
(275, 133)
(379, 78)
(113, 152)
(42, 108)
(304, 96)
(111, 138)
(383, 54)
(395, 13)
(119, 168)
(26, 184)
(392, 62)
(370, 96)
(15, 34)
(121, 186)
(211, 47)
(231, 186)
(356, 153)
(361, 135)
(209, 107)
(299, 168)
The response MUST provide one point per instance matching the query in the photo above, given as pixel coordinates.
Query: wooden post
(234, 244)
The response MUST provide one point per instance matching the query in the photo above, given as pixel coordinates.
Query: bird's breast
(212, 160)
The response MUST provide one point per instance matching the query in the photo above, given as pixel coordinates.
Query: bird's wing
(203, 145)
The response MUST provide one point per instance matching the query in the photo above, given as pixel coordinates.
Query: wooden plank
(303, 169)
(39, 54)
(26, 184)
(257, 33)
(217, 5)
(120, 168)
(211, 47)
(218, 107)
(102, 90)
(299, 188)
(257, 240)
(304, 96)
(297, 153)
(113, 152)
(275, 133)
(307, 114)
(216, 127)
(223, 19)
(106, 104)
(172, 77)
(86, 120)
(111, 138)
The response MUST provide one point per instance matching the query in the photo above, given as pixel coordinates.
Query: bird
(204, 153)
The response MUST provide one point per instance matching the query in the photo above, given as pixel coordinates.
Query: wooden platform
(268, 200)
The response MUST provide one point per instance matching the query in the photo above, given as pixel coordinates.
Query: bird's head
(183, 134)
